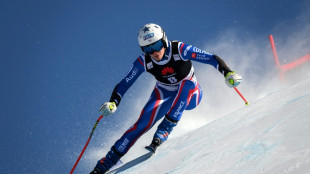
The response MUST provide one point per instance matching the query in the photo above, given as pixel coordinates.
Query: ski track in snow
(272, 135)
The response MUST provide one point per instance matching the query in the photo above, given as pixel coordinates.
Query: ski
(150, 148)
(131, 163)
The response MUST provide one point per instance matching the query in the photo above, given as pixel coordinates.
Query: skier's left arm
(189, 52)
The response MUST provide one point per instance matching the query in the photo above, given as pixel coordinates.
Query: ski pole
(246, 102)
(91, 134)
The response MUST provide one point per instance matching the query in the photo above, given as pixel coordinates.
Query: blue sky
(60, 60)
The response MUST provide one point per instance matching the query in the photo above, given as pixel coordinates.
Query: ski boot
(100, 167)
(96, 171)
(107, 162)
(153, 146)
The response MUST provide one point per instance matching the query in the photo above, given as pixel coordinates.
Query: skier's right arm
(120, 89)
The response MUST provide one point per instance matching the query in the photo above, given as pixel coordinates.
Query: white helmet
(151, 33)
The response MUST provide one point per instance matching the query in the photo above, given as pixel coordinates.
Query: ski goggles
(156, 46)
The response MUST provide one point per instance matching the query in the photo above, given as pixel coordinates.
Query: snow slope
(272, 135)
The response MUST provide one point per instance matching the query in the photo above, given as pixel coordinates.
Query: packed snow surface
(271, 135)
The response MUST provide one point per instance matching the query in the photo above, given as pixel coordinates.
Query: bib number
(172, 79)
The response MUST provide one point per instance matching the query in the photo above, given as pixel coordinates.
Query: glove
(108, 108)
(232, 79)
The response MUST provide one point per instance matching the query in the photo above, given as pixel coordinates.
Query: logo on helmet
(148, 36)
(145, 29)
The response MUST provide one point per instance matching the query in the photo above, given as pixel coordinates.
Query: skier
(176, 89)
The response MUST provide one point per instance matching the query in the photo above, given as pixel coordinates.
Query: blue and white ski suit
(176, 90)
